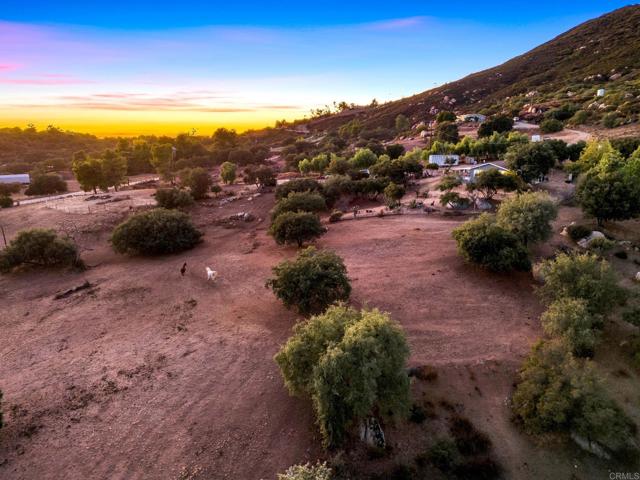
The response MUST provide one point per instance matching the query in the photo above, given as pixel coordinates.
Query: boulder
(585, 242)
(637, 277)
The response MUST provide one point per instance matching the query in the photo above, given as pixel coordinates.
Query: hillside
(568, 70)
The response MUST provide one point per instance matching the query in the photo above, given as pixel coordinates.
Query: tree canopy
(311, 282)
(351, 363)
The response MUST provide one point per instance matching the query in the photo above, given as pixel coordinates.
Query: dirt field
(152, 375)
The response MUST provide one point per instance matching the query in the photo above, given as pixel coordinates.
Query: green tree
(528, 216)
(393, 193)
(224, 138)
(363, 158)
(162, 160)
(531, 160)
(296, 228)
(395, 150)
(447, 132)
(570, 319)
(88, 172)
(46, 184)
(593, 153)
(445, 116)
(155, 232)
(338, 166)
(228, 172)
(114, 169)
(40, 248)
(311, 282)
(488, 182)
(558, 393)
(352, 365)
(297, 185)
(609, 195)
(551, 125)
(198, 180)
(483, 242)
(582, 277)
(402, 123)
(299, 202)
(497, 124)
(173, 198)
(263, 176)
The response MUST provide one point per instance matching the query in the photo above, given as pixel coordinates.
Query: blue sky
(143, 67)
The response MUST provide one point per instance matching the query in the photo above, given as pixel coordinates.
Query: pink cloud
(8, 67)
(44, 81)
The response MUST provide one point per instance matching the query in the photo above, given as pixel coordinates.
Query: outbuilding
(22, 178)
(468, 172)
(444, 160)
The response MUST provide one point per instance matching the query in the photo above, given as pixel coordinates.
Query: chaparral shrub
(39, 248)
(155, 232)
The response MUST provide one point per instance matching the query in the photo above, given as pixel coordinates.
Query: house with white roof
(468, 172)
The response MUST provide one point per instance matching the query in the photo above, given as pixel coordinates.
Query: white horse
(211, 274)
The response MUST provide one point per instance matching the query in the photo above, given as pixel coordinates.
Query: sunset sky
(128, 68)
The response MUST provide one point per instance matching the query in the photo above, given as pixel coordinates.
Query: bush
(611, 195)
(529, 216)
(155, 232)
(571, 320)
(551, 126)
(444, 455)
(367, 348)
(311, 282)
(228, 172)
(393, 193)
(6, 201)
(46, 184)
(335, 216)
(296, 228)
(483, 242)
(578, 232)
(319, 471)
(299, 202)
(632, 316)
(6, 189)
(199, 181)
(600, 246)
(297, 185)
(581, 277)
(173, 198)
(41, 248)
(468, 439)
(558, 393)
(216, 189)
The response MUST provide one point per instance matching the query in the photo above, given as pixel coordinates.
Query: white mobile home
(444, 160)
(22, 178)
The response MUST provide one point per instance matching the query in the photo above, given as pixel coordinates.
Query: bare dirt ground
(152, 375)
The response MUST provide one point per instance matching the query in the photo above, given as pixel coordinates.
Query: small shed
(22, 178)
(600, 92)
(536, 138)
(444, 160)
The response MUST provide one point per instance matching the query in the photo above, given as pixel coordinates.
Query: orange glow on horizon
(131, 124)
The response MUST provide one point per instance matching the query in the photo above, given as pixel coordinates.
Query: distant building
(536, 138)
(468, 172)
(472, 117)
(600, 92)
(22, 178)
(444, 160)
